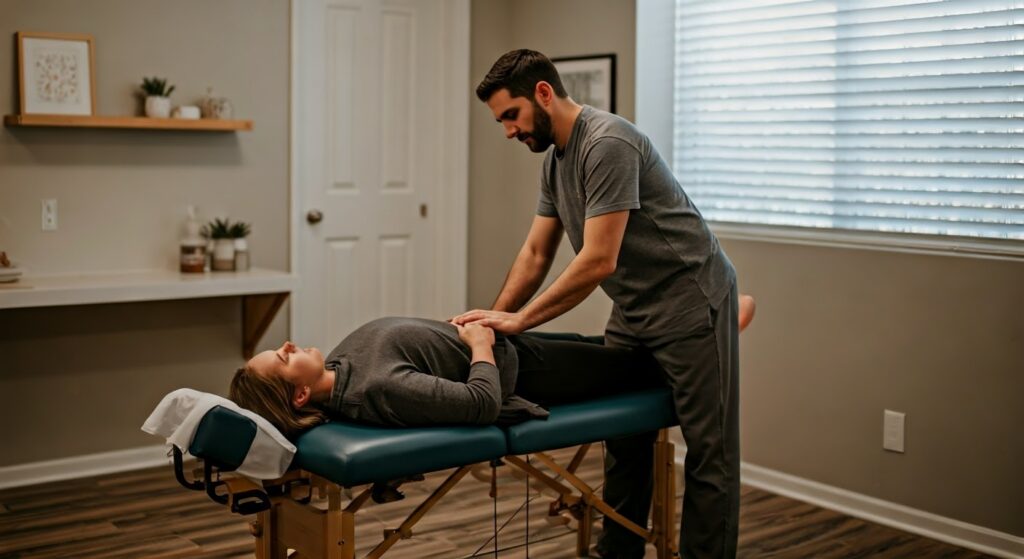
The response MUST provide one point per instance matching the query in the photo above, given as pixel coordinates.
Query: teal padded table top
(595, 420)
(352, 454)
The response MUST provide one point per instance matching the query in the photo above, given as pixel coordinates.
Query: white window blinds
(895, 116)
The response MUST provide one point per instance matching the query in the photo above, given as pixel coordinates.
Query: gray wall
(79, 380)
(840, 334)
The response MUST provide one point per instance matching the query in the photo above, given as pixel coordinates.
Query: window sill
(905, 243)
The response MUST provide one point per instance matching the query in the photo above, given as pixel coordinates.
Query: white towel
(177, 417)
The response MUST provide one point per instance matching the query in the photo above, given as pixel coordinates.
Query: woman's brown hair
(270, 397)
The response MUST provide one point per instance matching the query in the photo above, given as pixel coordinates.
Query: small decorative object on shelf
(215, 107)
(230, 249)
(193, 245)
(239, 231)
(8, 271)
(223, 244)
(158, 97)
(189, 112)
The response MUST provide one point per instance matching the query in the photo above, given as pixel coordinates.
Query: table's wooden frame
(330, 533)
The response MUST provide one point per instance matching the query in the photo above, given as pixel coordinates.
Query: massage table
(337, 455)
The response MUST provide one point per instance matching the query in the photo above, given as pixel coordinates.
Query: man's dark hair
(519, 71)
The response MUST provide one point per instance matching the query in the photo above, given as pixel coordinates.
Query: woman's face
(299, 366)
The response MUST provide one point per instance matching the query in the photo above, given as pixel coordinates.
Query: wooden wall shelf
(135, 122)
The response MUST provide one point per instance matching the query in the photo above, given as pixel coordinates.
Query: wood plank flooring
(147, 514)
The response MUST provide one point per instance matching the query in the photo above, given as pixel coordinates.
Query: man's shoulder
(603, 125)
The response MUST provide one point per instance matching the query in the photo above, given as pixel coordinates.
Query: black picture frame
(589, 79)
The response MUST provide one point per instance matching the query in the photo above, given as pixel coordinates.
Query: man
(638, 236)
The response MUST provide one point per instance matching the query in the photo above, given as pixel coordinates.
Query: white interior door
(368, 111)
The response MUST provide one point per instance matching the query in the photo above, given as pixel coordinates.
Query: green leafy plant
(224, 229)
(217, 229)
(156, 86)
(240, 230)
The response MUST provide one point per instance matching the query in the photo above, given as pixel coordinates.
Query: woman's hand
(476, 335)
(480, 340)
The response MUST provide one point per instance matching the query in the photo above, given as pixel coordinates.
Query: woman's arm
(480, 340)
(413, 397)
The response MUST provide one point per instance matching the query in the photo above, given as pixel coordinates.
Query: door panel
(369, 84)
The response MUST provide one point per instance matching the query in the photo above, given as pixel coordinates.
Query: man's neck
(563, 120)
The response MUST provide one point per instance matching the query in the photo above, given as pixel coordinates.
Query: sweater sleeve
(410, 397)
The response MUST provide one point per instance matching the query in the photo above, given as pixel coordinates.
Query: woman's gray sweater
(412, 371)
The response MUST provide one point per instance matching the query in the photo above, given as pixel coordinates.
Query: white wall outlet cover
(49, 217)
(893, 430)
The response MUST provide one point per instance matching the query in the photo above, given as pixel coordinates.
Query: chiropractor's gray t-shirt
(412, 371)
(669, 258)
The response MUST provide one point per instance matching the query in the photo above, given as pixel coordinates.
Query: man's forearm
(523, 280)
(578, 281)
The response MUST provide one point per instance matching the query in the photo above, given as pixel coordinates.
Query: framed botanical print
(55, 74)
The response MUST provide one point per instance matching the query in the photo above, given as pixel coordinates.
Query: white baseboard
(886, 513)
(83, 466)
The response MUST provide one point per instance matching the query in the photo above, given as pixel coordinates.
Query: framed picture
(589, 80)
(55, 74)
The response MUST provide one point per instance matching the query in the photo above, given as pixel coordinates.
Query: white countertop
(138, 285)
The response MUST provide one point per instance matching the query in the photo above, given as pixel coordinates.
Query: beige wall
(841, 334)
(77, 380)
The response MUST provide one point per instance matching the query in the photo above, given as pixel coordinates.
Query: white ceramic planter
(241, 255)
(224, 255)
(158, 107)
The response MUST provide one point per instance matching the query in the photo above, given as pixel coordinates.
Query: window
(899, 116)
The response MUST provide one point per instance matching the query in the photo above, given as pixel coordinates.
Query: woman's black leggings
(565, 368)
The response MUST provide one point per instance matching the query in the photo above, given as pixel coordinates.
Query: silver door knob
(314, 216)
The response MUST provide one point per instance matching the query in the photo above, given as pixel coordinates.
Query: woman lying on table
(411, 371)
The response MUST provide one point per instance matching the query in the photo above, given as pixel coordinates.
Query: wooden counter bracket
(258, 311)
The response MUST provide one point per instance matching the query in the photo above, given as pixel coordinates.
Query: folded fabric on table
(179, 414)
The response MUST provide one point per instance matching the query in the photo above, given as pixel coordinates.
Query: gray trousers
(701, 364)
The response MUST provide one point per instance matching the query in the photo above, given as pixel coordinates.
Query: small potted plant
(224, 244)
(158, 97)
(239, 231)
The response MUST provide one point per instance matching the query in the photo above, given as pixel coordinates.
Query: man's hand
(476, 335)
(504, 322)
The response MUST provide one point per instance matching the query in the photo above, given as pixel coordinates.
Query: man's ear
(300, 396)
(543, 93)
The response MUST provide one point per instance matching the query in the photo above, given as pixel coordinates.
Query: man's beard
(543, 135)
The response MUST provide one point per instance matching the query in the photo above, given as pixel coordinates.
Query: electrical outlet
(49, 214)
(892, 430)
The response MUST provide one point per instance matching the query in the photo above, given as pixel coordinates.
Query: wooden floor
(147, 514)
